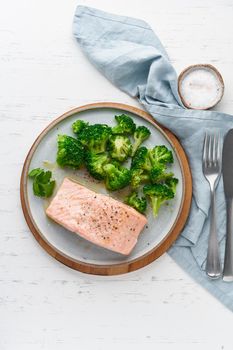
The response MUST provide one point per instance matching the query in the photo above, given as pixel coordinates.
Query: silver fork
(211, 166)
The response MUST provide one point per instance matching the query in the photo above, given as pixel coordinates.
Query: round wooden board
(125, 266)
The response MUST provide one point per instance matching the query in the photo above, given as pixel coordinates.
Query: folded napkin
(130, 55)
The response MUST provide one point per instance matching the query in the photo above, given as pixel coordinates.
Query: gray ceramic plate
(63, 243)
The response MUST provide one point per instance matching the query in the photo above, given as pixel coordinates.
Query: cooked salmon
(98, 218)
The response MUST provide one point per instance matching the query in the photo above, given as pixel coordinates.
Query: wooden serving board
(134, 263)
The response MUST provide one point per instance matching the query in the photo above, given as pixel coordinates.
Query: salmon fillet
(100, 219)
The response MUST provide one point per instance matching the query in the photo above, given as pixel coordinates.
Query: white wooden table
(43, 73)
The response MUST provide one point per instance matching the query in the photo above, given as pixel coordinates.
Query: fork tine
(218, 149)
(204, 156)
(214, 150)
(210, 150)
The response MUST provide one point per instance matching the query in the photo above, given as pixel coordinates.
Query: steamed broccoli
(141, 134)
(125, 125)
(158, 194)
(95, 162)
(161, 155)
(141, 159)
(95, 137)
(43, 186)
(117, 176)
(136, 202)
(158, 174)
(138, 176)
(70, 152)
(119, 147)
(172, 183)
(79, 125)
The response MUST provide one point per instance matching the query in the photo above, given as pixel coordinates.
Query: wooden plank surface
(44, 304)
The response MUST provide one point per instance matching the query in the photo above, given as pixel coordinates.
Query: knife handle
(213, 265)
(228, 261)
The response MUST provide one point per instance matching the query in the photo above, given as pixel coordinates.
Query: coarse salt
(200, 87)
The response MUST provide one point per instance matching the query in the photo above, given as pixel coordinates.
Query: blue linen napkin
(130, 55)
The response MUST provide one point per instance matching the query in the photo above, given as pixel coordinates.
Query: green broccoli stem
(135, 146)
(155, 203)
(145, 177)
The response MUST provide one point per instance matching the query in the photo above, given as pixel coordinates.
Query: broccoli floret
(125, 125)
(158, 194)
(158, 174)
(172, 183)
(141, 159)
(95, 137)
(141, 134)
(120, 147)
(137, 177)
(136, 202)
(43, 186)
(117, 176)
(79, 125)
(95, 162)
(161, 155)
(70, 152)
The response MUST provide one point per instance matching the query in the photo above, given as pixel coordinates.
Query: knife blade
(227, 164)
(227, 172)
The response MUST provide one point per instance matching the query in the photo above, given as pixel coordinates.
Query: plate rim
(155, 252)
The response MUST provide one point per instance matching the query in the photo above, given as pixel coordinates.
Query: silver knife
(227, 171)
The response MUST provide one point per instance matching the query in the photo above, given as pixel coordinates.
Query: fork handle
(228, 261)
(213, 265)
